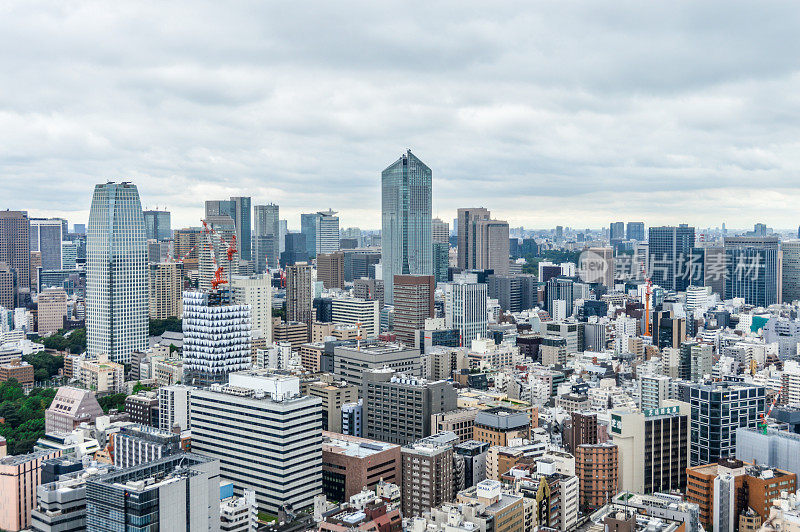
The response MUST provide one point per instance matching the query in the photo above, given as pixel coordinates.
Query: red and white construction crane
(764, 417)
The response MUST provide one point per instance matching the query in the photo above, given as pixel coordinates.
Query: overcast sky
(570, 113)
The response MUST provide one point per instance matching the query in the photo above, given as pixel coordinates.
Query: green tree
(11, 390)
(158, 327)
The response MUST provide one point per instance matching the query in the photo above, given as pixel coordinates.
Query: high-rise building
(322, 232)
(173, 407)
(295, 249)
(754, 267)
(240, 211)
(428, 473)
(256, 292)
(330, 269)
(216, 337)
(653, 447)
(177, 492)
(597, 469)
(51, 309)
(718, 409)
(47, 234)
(351, 361)
(791, 270)
(465, 307)
(116, 276)
(267, 234)
(15, 253)
(653, 391)
(299, 293)
(213, 248)
(398, 407)
(406, 206)
(413, 304)
(441, 261)
(440, 231)
(158, 225)
(616, 233)
(166, 290)
(69, 255)
(269, 440)
(635, 231)
(187, 242)
(669, 251)
(468, 236)
(491, 246)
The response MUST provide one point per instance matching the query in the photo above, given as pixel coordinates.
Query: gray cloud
(570, 113)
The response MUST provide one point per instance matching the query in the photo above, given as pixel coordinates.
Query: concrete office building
(653, 446)
(267, 238)
(20, 476)
(790, 270)
(514, 293)
(116, 273)
(158, 225)
(468, 252)
(465, 307)
(270, 439)
(653, 391)
(369, 289)
(406, 206)
(718, 409)
(352, 418)
(350, 464)
(178, 492)
(139, 444)
(440, 231)
(398, 407)
(187, 243)
(256, 292)
(173, 407)
(427, 474)
(461, 422)
(143, 408)
(491, 246)
(635, 231)
(166, 290)
(413, 304)
(499, 425)
(350, 362)
(239, 210)
(330, 269)
(216, 337)
(46, 235)
(51, 308)
(365, 315)
(299, 293)
(333, 397)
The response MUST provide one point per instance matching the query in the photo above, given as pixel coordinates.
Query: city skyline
(567, 115)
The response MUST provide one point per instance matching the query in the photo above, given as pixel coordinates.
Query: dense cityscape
(253, 372)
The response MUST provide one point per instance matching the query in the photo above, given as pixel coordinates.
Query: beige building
(71, 407)
(330, 269)
(165, 280)
(51, 310)
(299, 294)
(256, 291)
(20, 475)
(491, 246)
(294, 332)
(102, 375)
(352, 311)
(333, 397)
(460, 421)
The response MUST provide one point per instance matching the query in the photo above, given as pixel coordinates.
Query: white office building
(255, 291)
(354, 311)
(116, 273)
(465, 307)
(269, 439)
(173, 406)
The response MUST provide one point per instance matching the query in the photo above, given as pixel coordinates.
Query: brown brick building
(19, 370)
(413, 302)
(330, 269)
(350, 463)
(597, 469)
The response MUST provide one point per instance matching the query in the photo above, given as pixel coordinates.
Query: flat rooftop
(355, 447)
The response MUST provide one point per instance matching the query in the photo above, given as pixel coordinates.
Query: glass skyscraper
(754, 269)
(158, 225)
(669, 256)
(406, 246)
(266, 232)
(116, 273)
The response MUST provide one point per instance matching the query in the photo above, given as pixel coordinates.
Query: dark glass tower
(669, 255)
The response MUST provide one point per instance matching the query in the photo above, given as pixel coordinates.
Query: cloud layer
(572, 113)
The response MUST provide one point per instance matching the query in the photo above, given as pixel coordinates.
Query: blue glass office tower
(669, 256)
(406, 239)
(158, 225)
(754, 269)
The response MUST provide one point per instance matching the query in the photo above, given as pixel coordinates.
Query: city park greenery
(23, 416)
